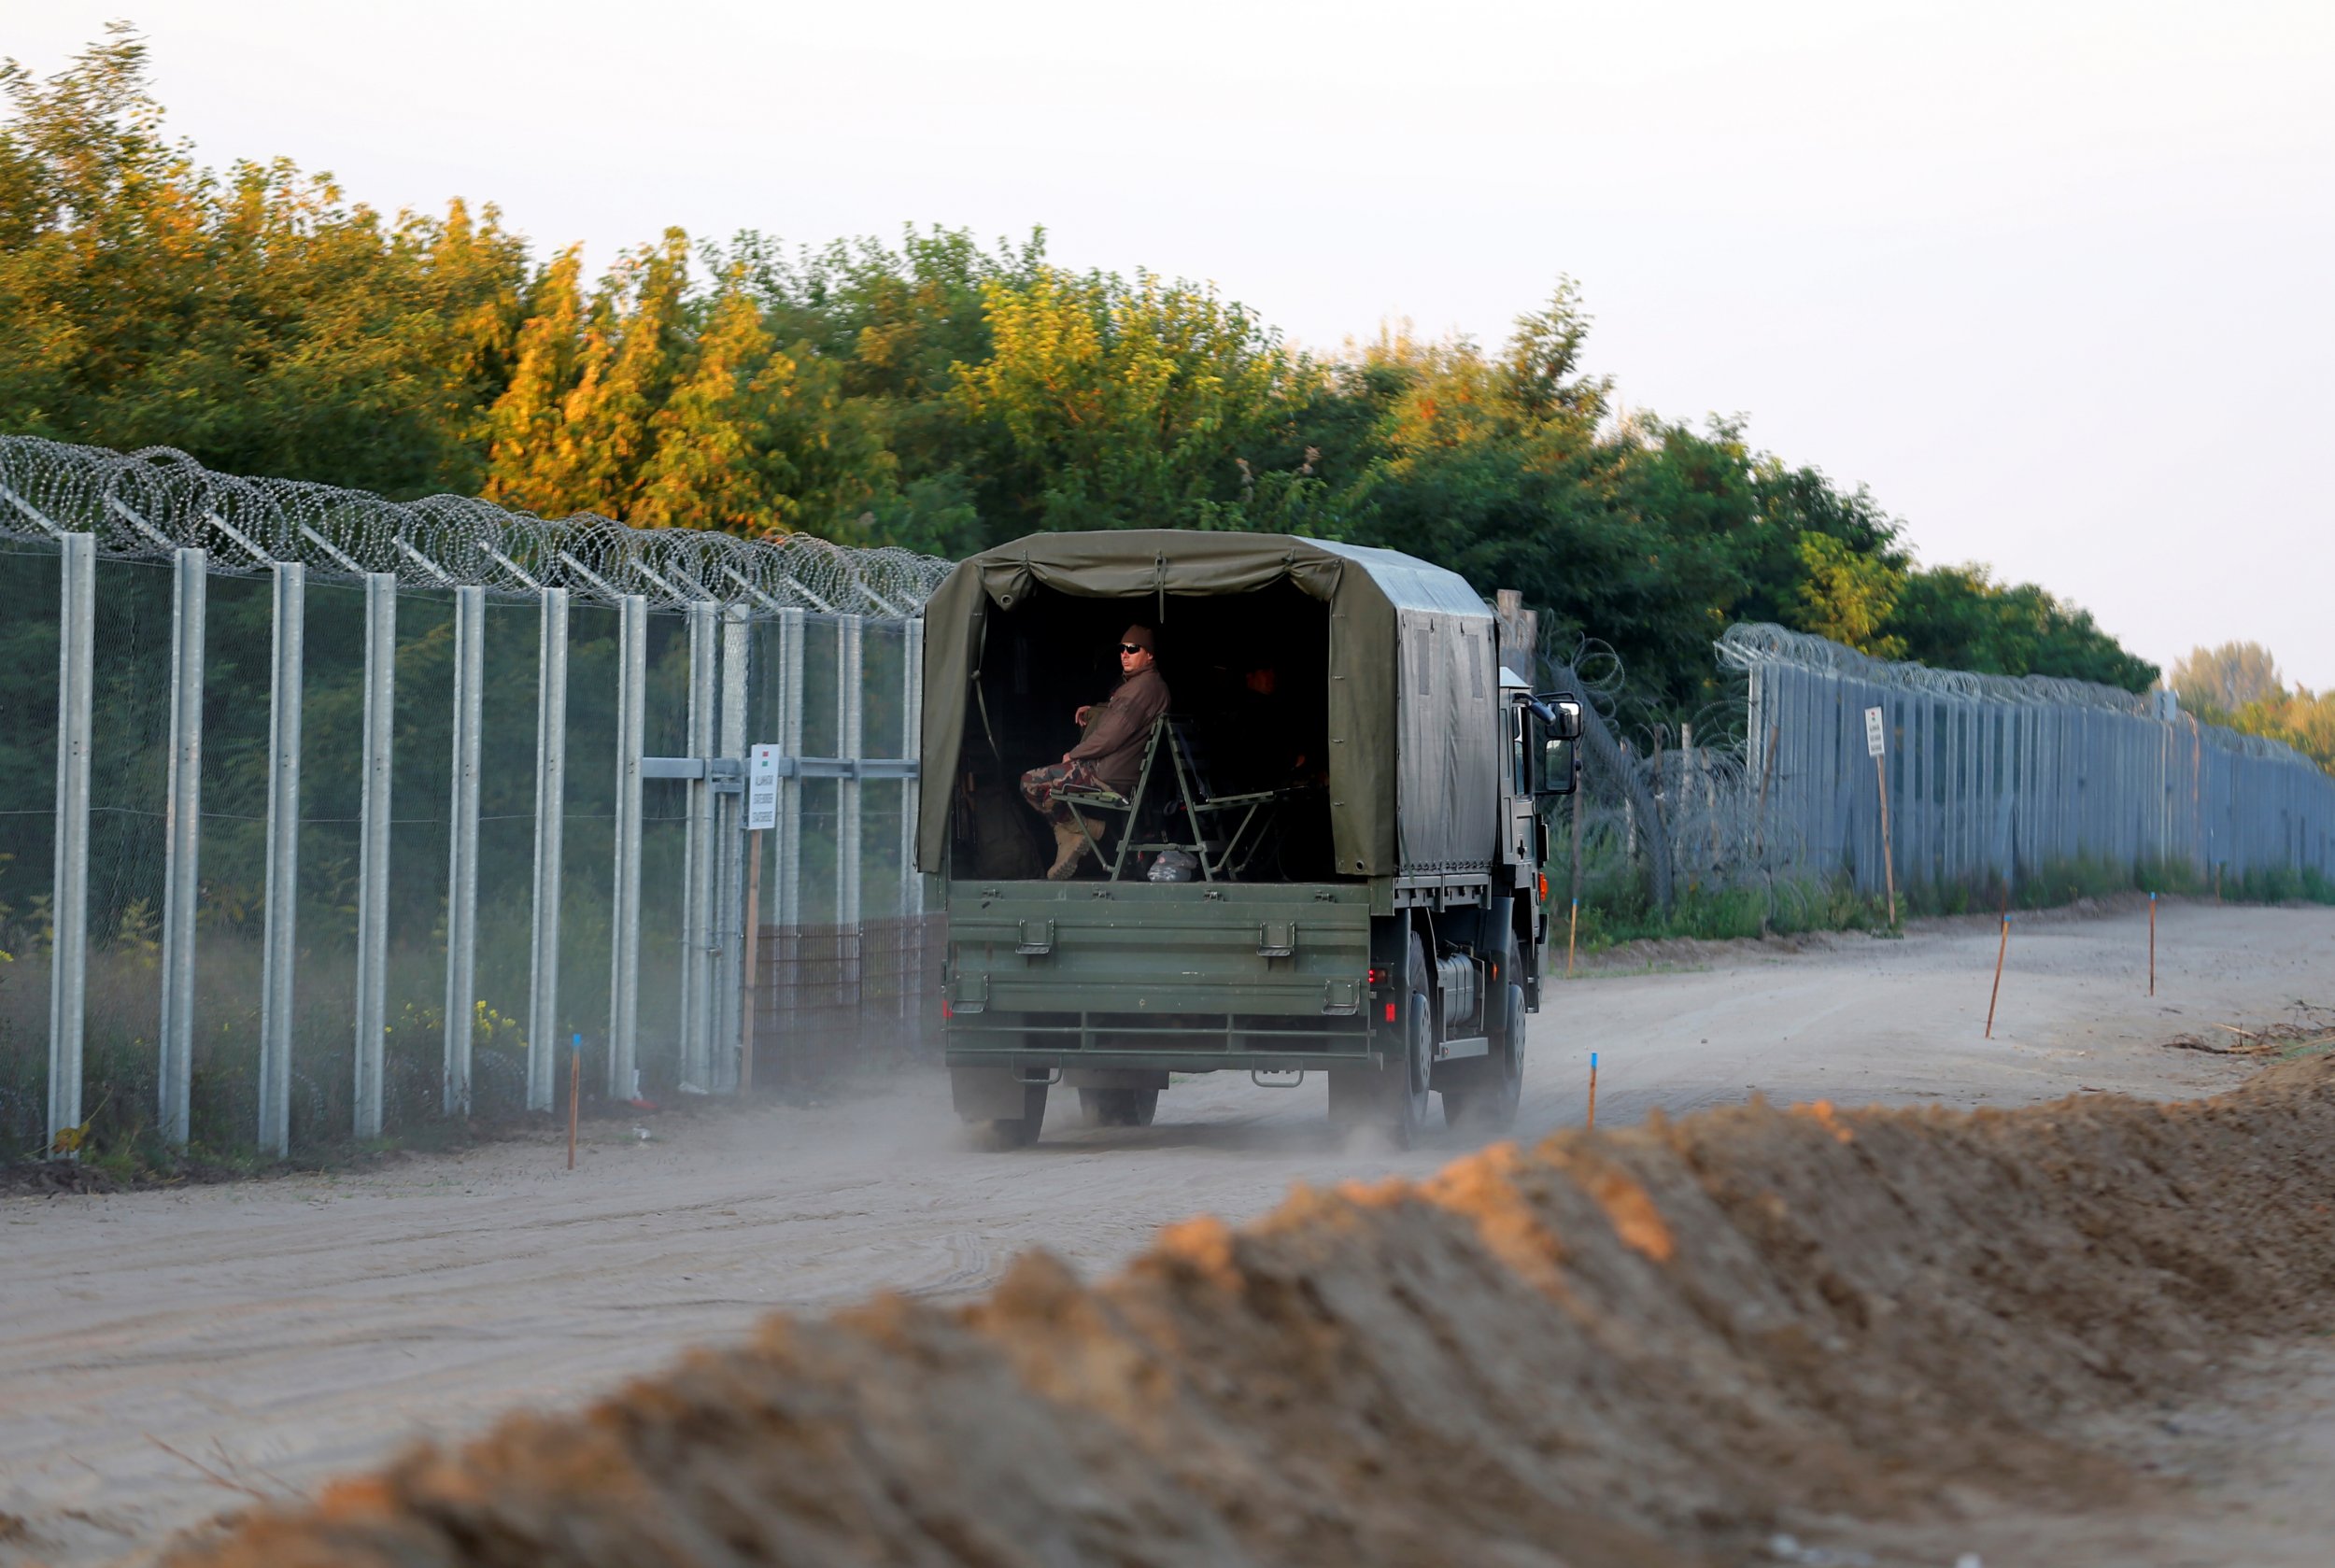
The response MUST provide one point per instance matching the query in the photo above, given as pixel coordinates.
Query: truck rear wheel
(1393, 1097)
(1118, 1108)
(1001, 1109)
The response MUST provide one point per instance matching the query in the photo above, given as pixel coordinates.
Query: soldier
(1108, 755)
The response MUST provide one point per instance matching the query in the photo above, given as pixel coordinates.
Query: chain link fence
(322, 815)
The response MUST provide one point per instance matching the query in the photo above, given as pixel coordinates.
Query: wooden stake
(1889, 856)
(2003, 948)
(575, 1079)
(754, 949)
(1572, 931)
(1593, 1089)
(2152, 944)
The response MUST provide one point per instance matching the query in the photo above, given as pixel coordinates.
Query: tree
(1122, 405)
(2225, 679)
(1848, 597)
(756, 440)
(1957, 617)
(256, 322)
(2302, 719)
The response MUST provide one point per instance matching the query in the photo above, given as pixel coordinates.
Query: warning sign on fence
(762, 789)
(1873, 732)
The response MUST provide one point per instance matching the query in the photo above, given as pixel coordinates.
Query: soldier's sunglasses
(1133, 648)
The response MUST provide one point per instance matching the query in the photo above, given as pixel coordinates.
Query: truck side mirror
(1553, 725)
(1566, 709)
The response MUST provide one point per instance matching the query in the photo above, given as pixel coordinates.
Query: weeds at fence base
(1616, 907)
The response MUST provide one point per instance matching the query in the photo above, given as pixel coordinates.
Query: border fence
(1991, 782)
(321, 814)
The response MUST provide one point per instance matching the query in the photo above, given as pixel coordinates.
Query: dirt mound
(1648, 1347)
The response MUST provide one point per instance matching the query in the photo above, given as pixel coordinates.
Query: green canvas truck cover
(1413, 701)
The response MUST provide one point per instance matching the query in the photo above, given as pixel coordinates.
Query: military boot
(1069, 845)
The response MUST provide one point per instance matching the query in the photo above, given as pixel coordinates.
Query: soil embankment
(1654, 1346)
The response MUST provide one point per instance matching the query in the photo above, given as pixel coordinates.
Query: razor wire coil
(155, 502)
(1745, 646)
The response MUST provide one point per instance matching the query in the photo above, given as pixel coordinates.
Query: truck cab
(1329, 861)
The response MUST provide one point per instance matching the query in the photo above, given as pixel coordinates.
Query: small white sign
(762, 787)
(1873, 732)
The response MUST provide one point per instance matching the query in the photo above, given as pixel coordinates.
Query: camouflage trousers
(1039, 786)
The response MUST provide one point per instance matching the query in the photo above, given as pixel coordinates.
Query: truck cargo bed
(1157, 970)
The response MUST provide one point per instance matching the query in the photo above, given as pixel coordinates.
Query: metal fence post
(68, 953)
(697, 864)
(730, 842)
(911, 793)
(551, 758)
(278, 953)
(624, 979)
(851, 706)
(181, 862)
(373, 873)
(786, 899)
(461, 891)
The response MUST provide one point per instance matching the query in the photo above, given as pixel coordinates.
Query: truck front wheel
(1484, 1104)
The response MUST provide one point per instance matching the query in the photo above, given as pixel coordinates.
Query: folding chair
(1106, 799)
(1205, 813)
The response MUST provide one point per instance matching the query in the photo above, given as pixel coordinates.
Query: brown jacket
(1117, 729)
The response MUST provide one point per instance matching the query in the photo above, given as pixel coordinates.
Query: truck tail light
(1377, 976)
(947, 1011)
(1544, 887)
(1390, 1013)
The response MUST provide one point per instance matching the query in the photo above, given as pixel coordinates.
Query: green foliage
(1957, 617)
(1848, 597)
(255, 320)
(2238, 684)
(1121, 405)
(2225, 679)
(934, 392)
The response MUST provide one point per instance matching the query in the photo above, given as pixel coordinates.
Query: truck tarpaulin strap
(1413, 695)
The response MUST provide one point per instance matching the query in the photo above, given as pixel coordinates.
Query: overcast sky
(2053, 279)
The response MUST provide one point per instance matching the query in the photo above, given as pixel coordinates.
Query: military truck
(1330, 863)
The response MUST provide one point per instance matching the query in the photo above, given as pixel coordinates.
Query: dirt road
(166, 1355)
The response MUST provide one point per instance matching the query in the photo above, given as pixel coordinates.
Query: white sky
(2052, 278)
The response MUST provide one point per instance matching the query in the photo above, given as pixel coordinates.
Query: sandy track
(275, 1333)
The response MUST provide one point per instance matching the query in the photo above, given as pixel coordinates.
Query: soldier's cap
(1140, 636)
